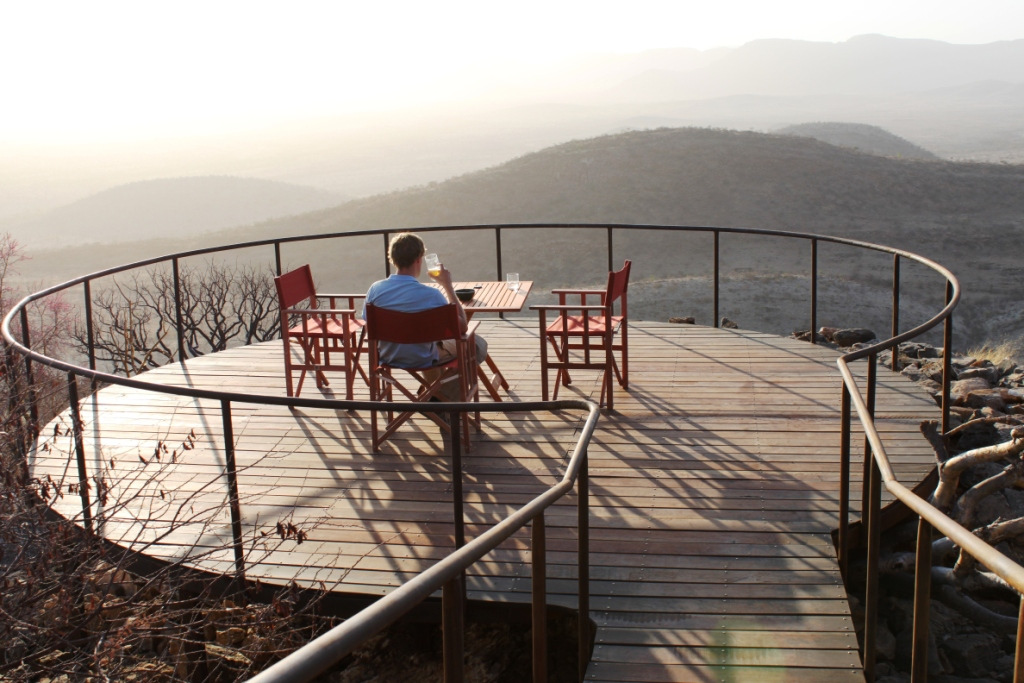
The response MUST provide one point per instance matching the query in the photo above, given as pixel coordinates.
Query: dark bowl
(465, 294)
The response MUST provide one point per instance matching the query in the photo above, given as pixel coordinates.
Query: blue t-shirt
(406, 294)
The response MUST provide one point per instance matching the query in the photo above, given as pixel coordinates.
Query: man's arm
(444, 278)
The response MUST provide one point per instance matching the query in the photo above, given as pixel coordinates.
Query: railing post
(922, 602)
(233, 500)
(83, 473)
(178, 320)
(278, 266)
(947, 360)
(868, 458)
(874, 526)
(611, 259)
(30, 382)
(387, 258)
(871, 513)
(1018, 660)
(814, 290)
(894, 365)
(13, 405)
(452, 627)
(844, 483)
(539, 610)
(583, 560)
(716, 277)
(458, 516)
(497, 252)
(90, 334)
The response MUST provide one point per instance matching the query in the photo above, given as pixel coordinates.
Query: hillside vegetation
(860, 137)
(967, 216)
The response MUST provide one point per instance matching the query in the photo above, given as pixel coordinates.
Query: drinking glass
(433, 264)
(512, 281)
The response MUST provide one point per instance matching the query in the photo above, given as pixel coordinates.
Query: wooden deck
(714, 491)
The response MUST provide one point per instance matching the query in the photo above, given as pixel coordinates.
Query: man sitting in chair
(403, 291)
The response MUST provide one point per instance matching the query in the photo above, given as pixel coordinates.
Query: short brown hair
(405, 248)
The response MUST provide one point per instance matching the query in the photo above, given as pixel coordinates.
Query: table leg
(496, 379)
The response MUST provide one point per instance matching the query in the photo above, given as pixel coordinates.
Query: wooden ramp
(714, 489)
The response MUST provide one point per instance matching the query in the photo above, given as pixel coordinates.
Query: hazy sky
(98, 70)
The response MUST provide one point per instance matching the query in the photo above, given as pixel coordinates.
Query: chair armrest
(320, 311)
(471, 329)
(568, 307)
(578, 291)
(349, 299)
(341, 296)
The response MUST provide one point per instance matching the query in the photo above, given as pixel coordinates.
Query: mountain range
(966, 216)
(962, 102)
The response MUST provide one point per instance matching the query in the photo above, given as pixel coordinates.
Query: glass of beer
(433, 264)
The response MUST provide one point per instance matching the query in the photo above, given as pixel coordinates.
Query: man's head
(404, 249)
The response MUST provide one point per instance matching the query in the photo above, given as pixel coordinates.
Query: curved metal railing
(877, 467)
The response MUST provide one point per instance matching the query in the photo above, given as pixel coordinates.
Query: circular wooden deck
(714, 489)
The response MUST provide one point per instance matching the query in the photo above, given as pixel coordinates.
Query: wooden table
(494, 297)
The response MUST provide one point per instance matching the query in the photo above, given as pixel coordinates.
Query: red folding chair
(587, 335)
(425, 327)
(327, 339)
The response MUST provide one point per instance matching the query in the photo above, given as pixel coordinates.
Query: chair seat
(335, 327)
(575, 325)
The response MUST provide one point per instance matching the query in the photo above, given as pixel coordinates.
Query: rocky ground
(965, 645)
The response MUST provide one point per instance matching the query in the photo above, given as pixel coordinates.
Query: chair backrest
(294, 287)
(430, 325)
(618, 282)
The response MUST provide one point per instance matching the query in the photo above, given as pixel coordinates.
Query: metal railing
(877, 470)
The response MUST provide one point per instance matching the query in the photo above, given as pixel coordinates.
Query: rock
(919, 350)
(959, 390)
(885, 642)
(988, 373)
(805, 335)
(971, 653)
(231, 636)
(728, 324)
(828, 332)
(990, 399)
(689, 320)
(853, 335)
(962, 412)
(1006, 367)
(228, 655)
(914, 372)
(933, 371)
(990, 412)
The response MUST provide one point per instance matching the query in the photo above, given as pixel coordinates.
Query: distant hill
(861, 137)
(181, 207)
(863, 65)
(967, 216)
(700, 176)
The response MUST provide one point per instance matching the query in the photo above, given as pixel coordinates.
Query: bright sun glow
(118, 70)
